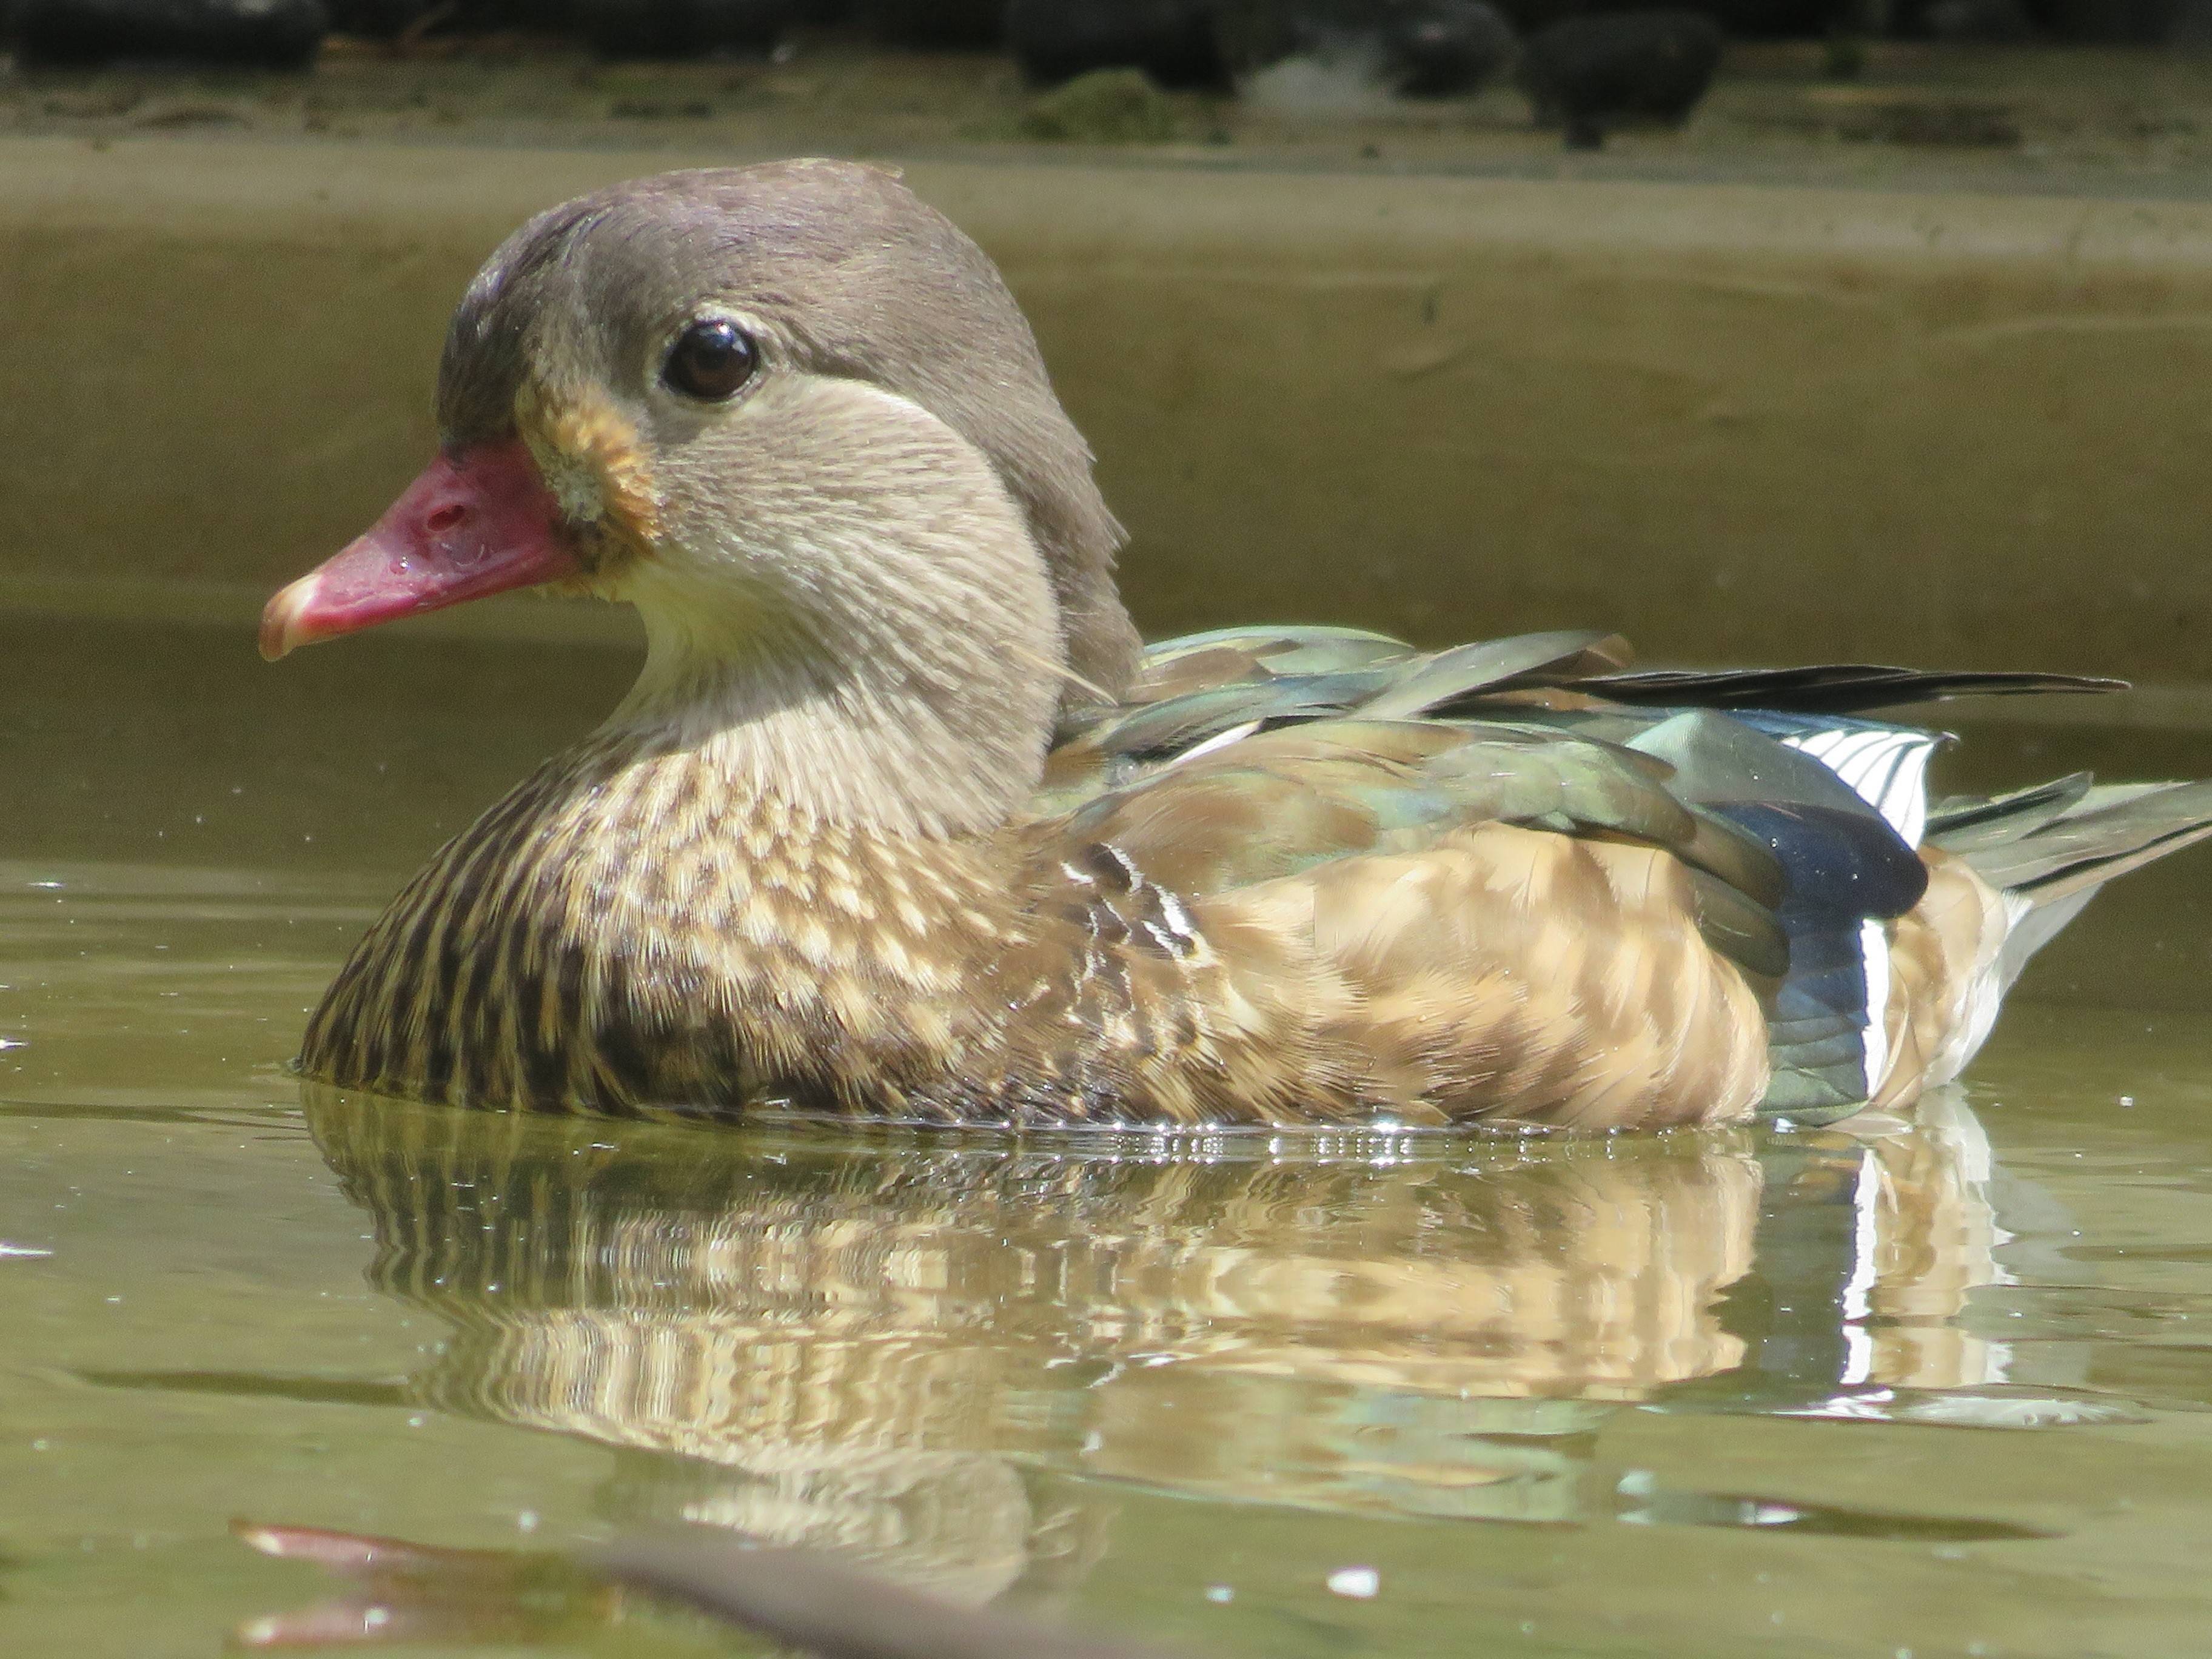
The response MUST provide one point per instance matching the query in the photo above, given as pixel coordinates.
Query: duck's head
(794, 416)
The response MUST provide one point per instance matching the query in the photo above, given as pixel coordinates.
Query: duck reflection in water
(937, 1361)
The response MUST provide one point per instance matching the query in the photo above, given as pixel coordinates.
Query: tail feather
(1957, 821)
(2049, 848)
(2106, 831)
(2035, 925)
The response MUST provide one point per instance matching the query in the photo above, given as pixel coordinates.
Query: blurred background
(1762, 330)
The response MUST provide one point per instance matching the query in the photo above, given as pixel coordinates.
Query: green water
(1942, 1385)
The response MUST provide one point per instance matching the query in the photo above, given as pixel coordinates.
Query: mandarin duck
(901, 821)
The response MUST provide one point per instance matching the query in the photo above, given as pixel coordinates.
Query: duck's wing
(1571, 905)
(1278, 801)
(1206, 690)
(1233, 683)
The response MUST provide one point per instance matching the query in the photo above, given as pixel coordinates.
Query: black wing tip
(1838, 688)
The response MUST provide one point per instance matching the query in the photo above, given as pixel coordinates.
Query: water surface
(1935, 1384)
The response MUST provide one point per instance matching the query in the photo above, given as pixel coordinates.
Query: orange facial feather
(579, 436)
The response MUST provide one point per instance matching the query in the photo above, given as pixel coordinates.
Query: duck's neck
(910, 694)
(829, 750)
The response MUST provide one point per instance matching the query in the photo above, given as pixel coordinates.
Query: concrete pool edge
(1743, 420)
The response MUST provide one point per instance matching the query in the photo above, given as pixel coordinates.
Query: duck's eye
(711, 359)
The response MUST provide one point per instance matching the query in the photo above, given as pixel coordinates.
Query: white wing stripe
(1886, 768)
(1219, 740)
(1874, 954)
